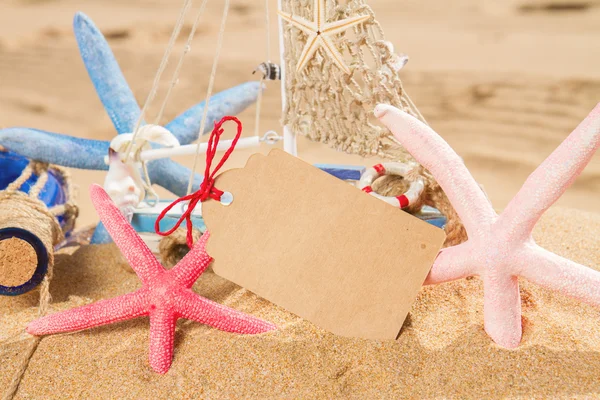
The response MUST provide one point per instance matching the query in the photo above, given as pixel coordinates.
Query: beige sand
(442, 351)
(18, 262)
(503, 82)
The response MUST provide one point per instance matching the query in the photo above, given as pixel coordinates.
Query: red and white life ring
(392, 168)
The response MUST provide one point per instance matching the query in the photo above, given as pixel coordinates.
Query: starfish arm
(172, 176)
(335, 55)
(195, 262)
(162, 336)
(562, 275)
(552, 178)
(100, 236)
(232, 101)
(452, 263)
(429, 149)
(165, 173)
(129, 306)
(333, 28)
(300, 23)
(104, 71)
(319, 13)
(312, 44)
(55, 149)
(502, 309)
(139, 256)
(196, 308)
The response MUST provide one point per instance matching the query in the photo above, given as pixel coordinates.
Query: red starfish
(165, 296)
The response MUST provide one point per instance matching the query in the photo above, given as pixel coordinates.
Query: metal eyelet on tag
(226, 198)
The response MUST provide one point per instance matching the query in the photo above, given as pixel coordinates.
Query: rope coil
(41, 220)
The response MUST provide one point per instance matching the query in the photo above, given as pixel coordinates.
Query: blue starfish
(120, 104)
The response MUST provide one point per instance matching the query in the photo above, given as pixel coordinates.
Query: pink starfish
(165, 296)
(500, 247)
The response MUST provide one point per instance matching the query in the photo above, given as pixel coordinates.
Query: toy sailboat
(335, 66)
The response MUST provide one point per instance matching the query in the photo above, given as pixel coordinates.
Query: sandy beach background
(504, 82)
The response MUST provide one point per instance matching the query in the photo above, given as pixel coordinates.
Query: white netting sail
(329, 106)
(331, 93)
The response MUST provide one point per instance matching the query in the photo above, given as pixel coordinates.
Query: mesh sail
(327, 105)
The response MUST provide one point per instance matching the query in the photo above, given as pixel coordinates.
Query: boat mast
(289, 137)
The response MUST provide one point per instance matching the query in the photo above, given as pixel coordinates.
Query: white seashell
(147, 133)
(120, 142)
(123, 184)
(389, 45)
(399, 61)
(157, 134)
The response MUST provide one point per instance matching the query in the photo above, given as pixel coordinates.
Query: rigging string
(186, 49)
(207, 188)
(172, 84)
(260, 89)
(258, 107)
(152, 94)
(267, 24)
(211, 83)
(163, 64)
(414, 108)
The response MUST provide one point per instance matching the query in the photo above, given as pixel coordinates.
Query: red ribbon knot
(207, 187)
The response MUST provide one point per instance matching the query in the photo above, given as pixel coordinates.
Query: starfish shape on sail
(319, 34)
(501, 248)
(165, 295)
(123, 110)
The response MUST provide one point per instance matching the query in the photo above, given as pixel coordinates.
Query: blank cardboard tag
(319, 247)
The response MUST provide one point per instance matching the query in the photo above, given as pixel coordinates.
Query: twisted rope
(432, 196)
(38, 216)
(209, 91)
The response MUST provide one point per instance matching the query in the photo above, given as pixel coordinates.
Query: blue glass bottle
(52, 194)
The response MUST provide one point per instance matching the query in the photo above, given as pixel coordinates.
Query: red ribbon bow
(207, 188)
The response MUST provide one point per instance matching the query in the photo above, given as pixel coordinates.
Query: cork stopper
(18, 262)
(27, 239)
